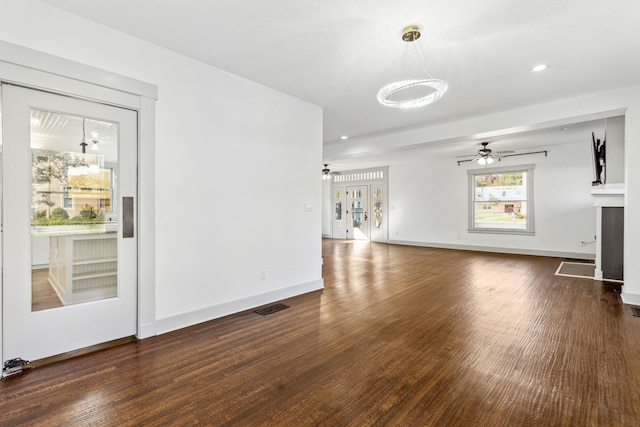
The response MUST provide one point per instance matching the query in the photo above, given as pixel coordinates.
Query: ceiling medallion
(411, 34)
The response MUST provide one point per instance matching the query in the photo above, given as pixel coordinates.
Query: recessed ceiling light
(343, 137)
(539, 68)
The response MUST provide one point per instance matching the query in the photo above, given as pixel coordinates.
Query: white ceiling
(62, 132)
(339, 53)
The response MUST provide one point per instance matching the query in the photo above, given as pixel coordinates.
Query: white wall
(428, 200)
(614, 150)
(236, 165)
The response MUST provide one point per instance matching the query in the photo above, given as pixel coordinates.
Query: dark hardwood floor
(399, 336)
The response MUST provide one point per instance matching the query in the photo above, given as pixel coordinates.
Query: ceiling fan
(326, 172)
(485, 155)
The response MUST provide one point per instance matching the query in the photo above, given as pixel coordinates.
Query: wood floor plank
(399, 336)
(43, 296)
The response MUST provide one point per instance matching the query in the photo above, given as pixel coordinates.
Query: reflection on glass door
(73, 230)
(358, 211)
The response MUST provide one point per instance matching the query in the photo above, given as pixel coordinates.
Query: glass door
(69, 259)
(358, 212)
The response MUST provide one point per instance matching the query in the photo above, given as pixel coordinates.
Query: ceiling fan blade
(500, 153)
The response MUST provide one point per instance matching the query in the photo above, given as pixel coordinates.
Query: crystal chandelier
(436, 87)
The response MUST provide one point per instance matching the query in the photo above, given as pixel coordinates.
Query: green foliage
(88, 212)
(499, 180)
(520, 215)
(59, 216)
(76, 220)
(50, 166)
(59, 213)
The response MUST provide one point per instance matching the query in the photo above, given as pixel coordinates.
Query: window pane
(498, 187)
(377, 212)
(501, 215)
(74, 251)
(500, 201)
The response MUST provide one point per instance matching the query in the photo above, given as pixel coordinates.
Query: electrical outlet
(263, 274)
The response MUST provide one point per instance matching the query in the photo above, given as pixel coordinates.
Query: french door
(358, 212)
(69, 254)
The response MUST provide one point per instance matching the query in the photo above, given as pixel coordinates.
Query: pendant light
(436, 87)
(83, 144)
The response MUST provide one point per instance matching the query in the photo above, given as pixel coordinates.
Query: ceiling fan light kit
(411, 34)
(485, 160)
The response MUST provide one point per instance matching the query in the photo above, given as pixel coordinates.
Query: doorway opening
(359, 205)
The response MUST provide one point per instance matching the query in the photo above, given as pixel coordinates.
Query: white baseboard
(517, 251)
(631, 299)
(146, 331)
(184, 320)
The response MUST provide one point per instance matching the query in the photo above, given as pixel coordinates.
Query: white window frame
(528, 169)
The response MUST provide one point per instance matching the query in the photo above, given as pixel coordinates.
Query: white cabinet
(84, 267)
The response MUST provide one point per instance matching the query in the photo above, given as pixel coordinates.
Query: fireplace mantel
(608, 195)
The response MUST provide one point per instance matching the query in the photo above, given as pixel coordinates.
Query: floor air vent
(270, 309)
(635, 311)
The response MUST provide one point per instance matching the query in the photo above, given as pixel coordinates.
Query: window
(501, 200)
(67, 202)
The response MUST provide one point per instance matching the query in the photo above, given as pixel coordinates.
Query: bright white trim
(74, 75)
(631, 299)
(147, 330)
(531, 225)
(515, 251)
(146, 218)
(195, 317)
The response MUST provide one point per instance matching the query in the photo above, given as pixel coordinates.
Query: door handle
(127, 217)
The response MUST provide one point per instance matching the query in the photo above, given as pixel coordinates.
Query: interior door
(70, 253)
(358, 213)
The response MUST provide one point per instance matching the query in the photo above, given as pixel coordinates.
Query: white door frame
(372, 178)
(350, 189)
(38, 70)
